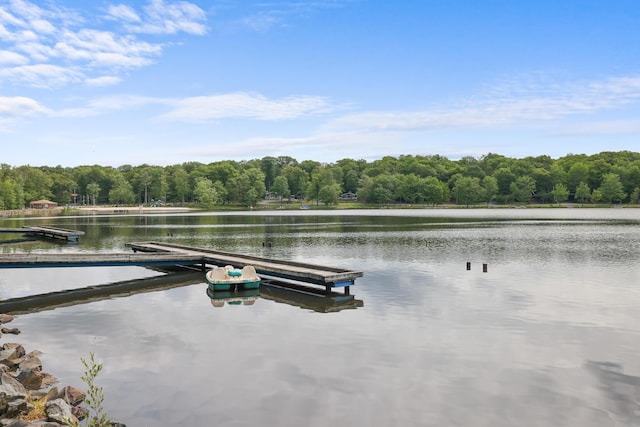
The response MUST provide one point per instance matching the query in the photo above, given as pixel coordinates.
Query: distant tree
(435, 192)
(297, 179)
(411, 188)
(382, 196)
(598, 168)
(281, 187)
(583, 192)
(467, 190)
(11, 194)
(611, 188)
(36, 184)
(504, 177)
(142, 180)
(560, 193)
(579, 172)
(205, 192)
(179, 183)
(159, 186)
(365, 189)
(523, 188)
(558, 175)
(122, 192)
(309, 166)
(321, 177)
(329, 194)
(270, 169)
(544, 184)
(93, 190)
(490, 185)
(596, 195)
(248, 187)
(351, 179)
(635, 196)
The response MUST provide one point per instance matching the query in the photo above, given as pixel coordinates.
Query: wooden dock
(46, 232)
(94, 260)
(154, 254)
(329, 277)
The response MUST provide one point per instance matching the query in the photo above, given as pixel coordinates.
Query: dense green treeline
(607, 177)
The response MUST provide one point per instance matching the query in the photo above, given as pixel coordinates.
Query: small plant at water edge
(94, 398)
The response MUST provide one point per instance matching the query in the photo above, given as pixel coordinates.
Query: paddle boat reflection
(231, 297)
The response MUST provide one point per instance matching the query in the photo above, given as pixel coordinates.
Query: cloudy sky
(165, 82)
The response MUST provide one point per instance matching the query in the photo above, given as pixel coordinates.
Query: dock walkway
(329, 277)
(44, 260)
(46, 232)
(163, 254)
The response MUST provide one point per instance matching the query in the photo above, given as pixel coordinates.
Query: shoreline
(145, 210)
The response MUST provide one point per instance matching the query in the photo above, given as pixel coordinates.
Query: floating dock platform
(72, 236)
(154, 254)
(328, 277)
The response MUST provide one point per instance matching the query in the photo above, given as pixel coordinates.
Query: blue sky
(164, 82)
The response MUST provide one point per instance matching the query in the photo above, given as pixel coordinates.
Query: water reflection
(434, 345)
(308, 299)
(70, 297)
(237, 297)
(621, 391)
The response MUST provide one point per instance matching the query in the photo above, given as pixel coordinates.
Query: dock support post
(347, 290)
(327, 289)
(468, 265)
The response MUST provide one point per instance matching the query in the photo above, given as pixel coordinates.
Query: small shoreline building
(43, 204)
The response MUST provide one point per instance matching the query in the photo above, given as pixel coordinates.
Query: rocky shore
(27, 398)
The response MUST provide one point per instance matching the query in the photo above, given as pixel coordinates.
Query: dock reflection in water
(71, 297)
(286, 292)
(305, 297)
(308, 298)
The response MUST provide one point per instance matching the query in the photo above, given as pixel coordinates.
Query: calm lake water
(548, 336)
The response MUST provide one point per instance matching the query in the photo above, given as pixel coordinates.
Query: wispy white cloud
(599, 127)
(202, 108)
(116, 103)
(278, 14)
(124, 13)
(315, 146)
(245, 105)
(103, 81)
(13, 58)
(37, 39)
(162, 17)
(19, 106)
(505, 107)
(104, 49)
(41, 75)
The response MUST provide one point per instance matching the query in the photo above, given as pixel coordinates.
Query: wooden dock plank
(160, 254)
(103, 259)
(48, 232)
(318, 274)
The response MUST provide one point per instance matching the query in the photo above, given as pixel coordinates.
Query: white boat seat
(218, 273)
(249, 272)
